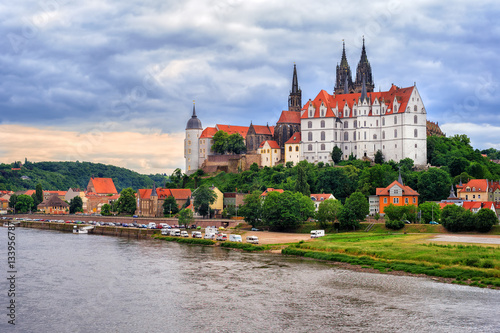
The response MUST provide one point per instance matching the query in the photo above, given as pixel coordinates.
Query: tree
(434, 185)
(76, 205)
(236, 144)
(301, 184)
(485, 219)
(186, 217)
(24, 203)
(13, 201)
(35, 202)
(401, 213)
(379, 157)
(355, 210)
(176, 178)
(170, 206)
(336, 154)
(252, 209)
(204, 197)
(126, 202)
(452, 218)
(106, 210)
(289, 164)
(285, 211)
(429, 211)
(220, 144)
(328, 211)
(254, 167)
(39, 193)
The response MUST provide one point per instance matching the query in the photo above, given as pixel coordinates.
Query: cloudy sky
(113, 81)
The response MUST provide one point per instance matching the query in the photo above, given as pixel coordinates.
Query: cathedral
(354, 118)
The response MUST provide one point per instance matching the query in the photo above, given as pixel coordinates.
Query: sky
(114, 81)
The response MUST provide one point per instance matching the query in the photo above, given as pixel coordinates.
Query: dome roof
(194, 122)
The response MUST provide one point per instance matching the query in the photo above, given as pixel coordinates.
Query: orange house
(396, 194)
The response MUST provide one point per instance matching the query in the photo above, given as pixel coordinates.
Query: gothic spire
(364, 70)
(363, 91)
(153, 191)
(346, 86)
(452, 192)
(295, 97)
(343, 73)
(295, 81)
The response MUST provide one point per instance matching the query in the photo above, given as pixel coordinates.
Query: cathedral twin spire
(295, 98)
(344, 83)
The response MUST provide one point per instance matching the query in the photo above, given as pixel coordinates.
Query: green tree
(76, 205)
(434, 185)
(24, 203)
(13, 201)
(430, 211)
(289, 164)
(285, 211)
(170, 206)
(401, 213)
(301, 184)
(186, 217)
(254, 167)
(379, 157)
(252, 209)
(455, 218)
(203, 198)
(236, 144)
(106, 210)
(485, 219)
(39, 193)
(220, 144)
(126, 202)
(328, 211)
(355, 209)
(34, 208)
(336, 154)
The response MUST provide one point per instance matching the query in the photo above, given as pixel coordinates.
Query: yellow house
(292, 149)
(218, 205)
(475, 189)
(270, 153)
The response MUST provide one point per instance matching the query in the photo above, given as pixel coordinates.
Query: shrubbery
(455, 218)
(394, 225)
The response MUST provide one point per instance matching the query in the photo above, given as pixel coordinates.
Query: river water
(90, 283)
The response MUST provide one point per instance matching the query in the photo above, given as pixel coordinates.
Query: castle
(354, 118)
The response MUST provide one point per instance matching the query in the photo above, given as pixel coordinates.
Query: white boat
(84, 230)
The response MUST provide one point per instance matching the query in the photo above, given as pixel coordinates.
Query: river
(91, 283)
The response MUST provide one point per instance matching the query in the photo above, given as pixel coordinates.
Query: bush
(473, 262)
(394, 225)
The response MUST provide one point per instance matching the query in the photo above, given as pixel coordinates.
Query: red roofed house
(101, 186)
(100, 191)
(53, 205)
(319, 198)
(150, 201)
(270, 153)
(4, 204)
(292, 149)
(396, 193)
(256, 135)
(270, 189)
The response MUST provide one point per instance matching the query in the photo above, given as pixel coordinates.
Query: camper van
(152, 225)
(235, 238)
(175, 232)
(253, 239)
(165, 232)
(317, 233)
(196, 234)
(211, 230)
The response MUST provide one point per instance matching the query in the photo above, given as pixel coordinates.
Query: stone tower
(364, 70)
(295, 98)
(343, 80)
(192, 143)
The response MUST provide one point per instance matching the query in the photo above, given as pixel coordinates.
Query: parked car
(196, 234)
(209, 236)
(235, 238)
(184, 233)
(433, 222)
(253, 239)
(221, 237)
(255, 229)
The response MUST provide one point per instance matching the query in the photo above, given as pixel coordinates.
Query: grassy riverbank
(465, 264)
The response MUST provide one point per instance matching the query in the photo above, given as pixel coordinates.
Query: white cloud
(482, 136)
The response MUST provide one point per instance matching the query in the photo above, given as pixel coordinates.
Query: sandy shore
(268, 237)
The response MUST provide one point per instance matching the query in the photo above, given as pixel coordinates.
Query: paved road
(468, 239)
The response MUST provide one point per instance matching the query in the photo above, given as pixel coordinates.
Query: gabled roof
(208, 132)
(61, 193)
(265, 130)
(231, 129)
(470, 205)
(270, 189)
(177, 193)
(272, 144)
(289, 117)
(401, 95)
(406, 189)
(322, 197)
(53, 201)
(294, 139)
(475, 185)
(103, 185)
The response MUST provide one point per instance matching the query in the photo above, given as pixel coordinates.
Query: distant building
(396, 193)
(100, 191)
(150, 201)
(292, 151)
(319, 198)
(53, 205)
(270, 153)
(101, 186)
(270, 189)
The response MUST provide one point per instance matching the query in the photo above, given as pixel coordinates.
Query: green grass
(244, 246)
(185, 240)
(408, 253)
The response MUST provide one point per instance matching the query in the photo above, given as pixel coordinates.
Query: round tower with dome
(192, 143)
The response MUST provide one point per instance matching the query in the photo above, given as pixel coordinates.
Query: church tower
(364, 70)
(343, 80)
(295, 98)
(192, 143)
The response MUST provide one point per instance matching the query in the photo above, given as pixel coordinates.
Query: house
(233, 199)
(319, 198)
(150, 201)
(475, 189)
(4, 204)
(53, 205)
(292, 149)
(101, 186)
(397, 194)
(60, 194)
(270, 153)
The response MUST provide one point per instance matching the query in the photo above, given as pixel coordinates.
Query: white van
(209, 236)
(196, 234)
(235, 238)
(152, 225)
(165, 232)
(253, 239)
(211, 230)
(317, 233)
(175, 232)
(184, 233)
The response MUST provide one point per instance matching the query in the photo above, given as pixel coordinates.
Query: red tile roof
(475, 185)
(30, 192)
(104, 185)
(295, 138)
(177, 193)
(406, 189)
(402, 95)
(208, 132)
(289, 117)
(231, 129)
(321, 197)
(270, 189)
(272, 144)
(266, 130)
(4, 200)
(61, 193)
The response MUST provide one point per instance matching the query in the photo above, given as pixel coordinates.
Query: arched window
(310, 147)
(395, 133)
(309, 136)
(415, 132)
(383, 134)
(346, 136)
(415, 108)
(415, 119)
(355, 124)
(354, 112)
(323, 136)
(346, 124)
(322, 146)
(290, 148)
(364, 135)
(374, 136)
(395, 120)
(296, 148)
(383, 121)
(309, 124)
(322, 124)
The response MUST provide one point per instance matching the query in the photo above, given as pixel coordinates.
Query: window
(310, 147)
(322, 146)
(414, 200)
(309, 136)
(335, 136)
(364, 124)
(395, 200)
(189, 151)
(346, 136)
(355, 124)
(323, 136)
(309, 124)
(415, 145)
(297, 148)
(383, 134)
(383, 121)
(376, 123)
(189, 142)
(415, 119)
(322, 113)
(415, 108)
(310, 113)
(395, 133)
(415, 132)
(395, 120)
(406, 201)
(346, 124)
(364, 135)
(385, 200)
(374, 136)
(322, 124)
(290, 148)
(354, 112)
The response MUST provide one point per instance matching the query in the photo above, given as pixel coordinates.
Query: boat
(84, 230)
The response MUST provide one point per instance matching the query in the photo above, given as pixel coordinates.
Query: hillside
(63, 175)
